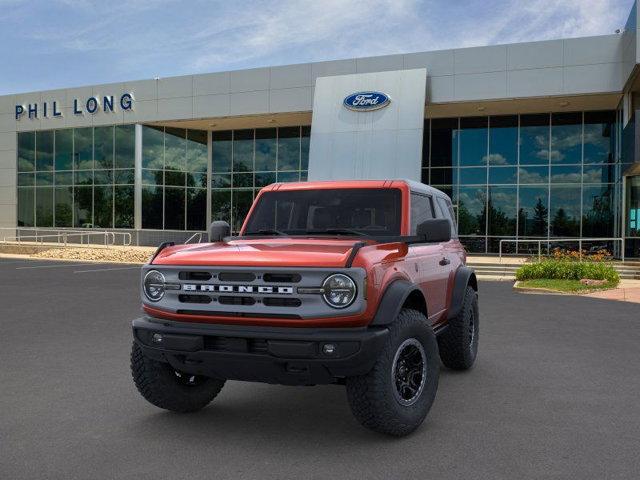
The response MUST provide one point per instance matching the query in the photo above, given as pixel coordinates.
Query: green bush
(558, 269)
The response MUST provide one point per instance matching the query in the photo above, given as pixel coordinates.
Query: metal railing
(549, 241)
(69, 237)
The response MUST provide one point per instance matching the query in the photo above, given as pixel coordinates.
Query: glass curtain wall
(84, 177)
(80, 177)
(540, 176)
(174, 178)
(243, 161)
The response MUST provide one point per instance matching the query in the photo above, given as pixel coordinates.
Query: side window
(447, 211)
(421, 210)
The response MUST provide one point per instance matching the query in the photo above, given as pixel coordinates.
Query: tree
(467, 223)
(563, 225)
(540, 219)
(499, 222)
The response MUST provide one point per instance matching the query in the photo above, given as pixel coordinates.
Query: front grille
(197, 276)
(235, 344)
(282, 302)
(236, 300)
(281, 277)
(215, 343)
(258, 345)
(195, 299)
(236, 277)
(243, 292)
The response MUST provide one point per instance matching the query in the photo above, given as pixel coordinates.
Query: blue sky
(46, 44)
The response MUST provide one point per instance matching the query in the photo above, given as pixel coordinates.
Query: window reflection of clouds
(503, 141)
(548, 152)
(495, 159)
(566, 174)
(534, 175)
(534, 145)
(566, 138)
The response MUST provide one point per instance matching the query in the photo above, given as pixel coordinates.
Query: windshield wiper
(337, 231)
(267, 231)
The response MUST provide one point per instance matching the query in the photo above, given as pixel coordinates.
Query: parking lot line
(106, 269)
(26, 260)
(54, 266)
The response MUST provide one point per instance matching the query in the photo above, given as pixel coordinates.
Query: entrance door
(632, 215)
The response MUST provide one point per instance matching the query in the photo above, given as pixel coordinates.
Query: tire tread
(368, 394)
(452, 343)
(150, 378)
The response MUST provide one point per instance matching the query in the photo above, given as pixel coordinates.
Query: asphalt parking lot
(555, 394)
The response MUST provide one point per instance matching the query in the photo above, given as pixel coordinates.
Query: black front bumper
(288, 356)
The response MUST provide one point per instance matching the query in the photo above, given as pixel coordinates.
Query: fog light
(157, 338)
(328, 349)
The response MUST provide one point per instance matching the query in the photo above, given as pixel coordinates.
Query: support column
(209, 170)
(137, 212)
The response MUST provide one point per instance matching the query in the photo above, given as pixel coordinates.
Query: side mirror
(218, 230)
(435, 230)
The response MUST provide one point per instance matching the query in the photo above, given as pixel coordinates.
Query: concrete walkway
(627, 291)
(493, 259)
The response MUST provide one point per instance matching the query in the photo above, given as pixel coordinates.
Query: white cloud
(144, 38)
(494, 159)
(532, 176)
(550, 19)
(325, 30)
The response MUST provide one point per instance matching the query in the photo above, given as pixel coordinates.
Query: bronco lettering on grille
(190, 287)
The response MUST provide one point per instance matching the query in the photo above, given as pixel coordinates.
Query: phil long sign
(91, 105)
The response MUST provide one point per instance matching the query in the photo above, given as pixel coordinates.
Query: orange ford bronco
(358, 283)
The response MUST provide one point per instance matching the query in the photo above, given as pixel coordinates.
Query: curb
(540, 291)
(549, 291)
(74, 260)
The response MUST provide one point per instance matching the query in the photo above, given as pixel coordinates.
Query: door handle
(445, 261)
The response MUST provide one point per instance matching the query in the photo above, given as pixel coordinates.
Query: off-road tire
(371, 396)
(158, 383)
(458, 344)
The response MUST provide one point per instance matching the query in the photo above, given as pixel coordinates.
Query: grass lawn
(567, 286)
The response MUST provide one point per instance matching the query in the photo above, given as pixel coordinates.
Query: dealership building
(532, 141)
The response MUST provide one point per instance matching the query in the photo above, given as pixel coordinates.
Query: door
(432, 261)
(632, 215)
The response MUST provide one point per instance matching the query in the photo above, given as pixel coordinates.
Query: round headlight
(153, 285)
(339, 291)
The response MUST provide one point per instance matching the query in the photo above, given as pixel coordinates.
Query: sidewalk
(627, 291)
(493, 259)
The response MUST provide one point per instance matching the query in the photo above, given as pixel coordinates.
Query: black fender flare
(464, 276)
(392, 300)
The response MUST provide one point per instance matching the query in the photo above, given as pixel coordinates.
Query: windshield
(355, 211)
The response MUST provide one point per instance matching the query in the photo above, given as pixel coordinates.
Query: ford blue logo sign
(366, 101)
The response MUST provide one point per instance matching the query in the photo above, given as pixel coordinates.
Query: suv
(358, 283)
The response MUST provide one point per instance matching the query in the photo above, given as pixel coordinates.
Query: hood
(269, 252)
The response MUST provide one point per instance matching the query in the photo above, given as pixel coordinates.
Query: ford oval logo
(366, 101)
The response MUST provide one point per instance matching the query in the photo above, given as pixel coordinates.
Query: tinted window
(534, 139)
(368, 211)
(503, 141)
(444, 146)
(421, 210)
(473, 141)
(566, 138)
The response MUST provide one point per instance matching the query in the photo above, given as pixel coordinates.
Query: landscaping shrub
(601, 255)
(568, 270)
